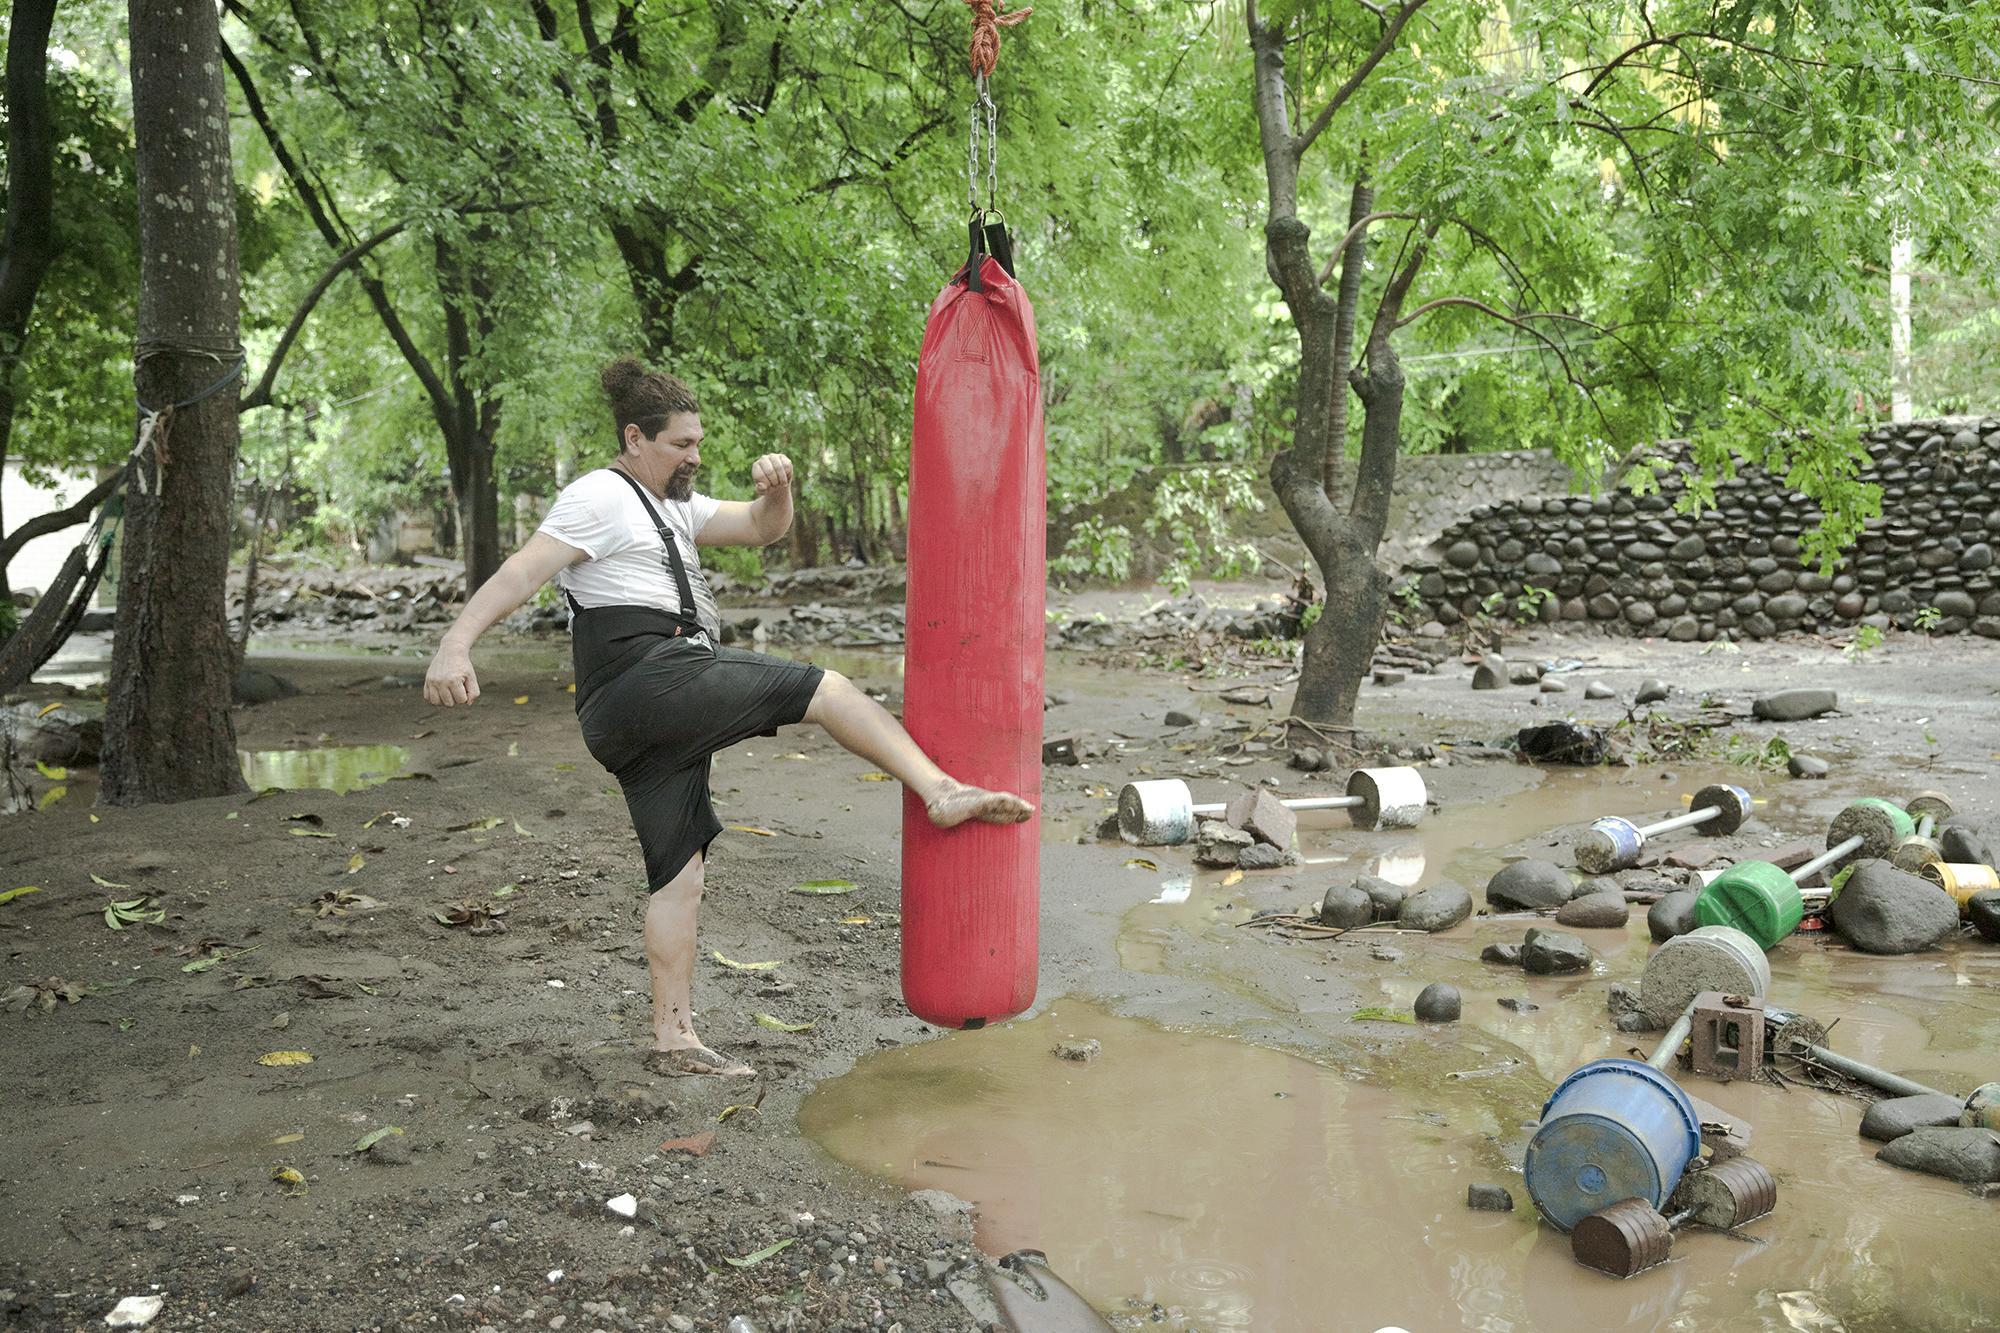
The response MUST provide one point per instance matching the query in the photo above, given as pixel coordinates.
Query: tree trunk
(28, 248)
(168, 732)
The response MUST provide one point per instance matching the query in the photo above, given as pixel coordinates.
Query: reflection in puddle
(338, 768)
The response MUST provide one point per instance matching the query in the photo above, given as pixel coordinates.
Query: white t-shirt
(599, 514)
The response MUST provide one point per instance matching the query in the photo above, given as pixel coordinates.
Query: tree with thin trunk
(168, 731)
(1670, 208)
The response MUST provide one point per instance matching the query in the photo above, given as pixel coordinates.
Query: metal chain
(982, 102)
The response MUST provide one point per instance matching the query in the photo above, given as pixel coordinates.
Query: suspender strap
(681, 583)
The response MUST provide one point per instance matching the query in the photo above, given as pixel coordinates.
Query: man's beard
(681, 485)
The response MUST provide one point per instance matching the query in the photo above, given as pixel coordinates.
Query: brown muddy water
(1318, 1183)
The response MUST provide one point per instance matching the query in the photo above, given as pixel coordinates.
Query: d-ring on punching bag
(973, 633)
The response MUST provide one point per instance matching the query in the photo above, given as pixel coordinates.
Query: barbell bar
(1612, 843)
(1162, 812)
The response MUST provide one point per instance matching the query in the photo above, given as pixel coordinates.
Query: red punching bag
(972, 693)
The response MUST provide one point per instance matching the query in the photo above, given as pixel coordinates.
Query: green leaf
(50, 797)
(824, 886)
(756, 1257)
(104, 883)
(375, 1136)
(53, 772)
(779, 1025)
(11, 894)
(478, 825)
(1376, 1013)
(744, 967)
(310, 833)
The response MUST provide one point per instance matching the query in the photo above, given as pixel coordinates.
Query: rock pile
(1631, 564)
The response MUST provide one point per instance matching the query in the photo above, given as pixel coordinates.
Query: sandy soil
(144, 1132)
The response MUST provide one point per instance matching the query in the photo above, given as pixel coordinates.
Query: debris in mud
(1565, 743)
(475, 916)
(1489, 1199)
(1516, 1005)
(1807, 766)
(1082, 1052)
(1061, 751)
(694, 1145)
(134, 1312)
(42, 996)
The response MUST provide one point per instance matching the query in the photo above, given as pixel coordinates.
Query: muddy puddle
(337, 768)
(1314, 1181)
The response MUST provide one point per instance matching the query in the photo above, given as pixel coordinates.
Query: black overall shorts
(656, 698)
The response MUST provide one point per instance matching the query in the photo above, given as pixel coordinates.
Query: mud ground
(143, 1133)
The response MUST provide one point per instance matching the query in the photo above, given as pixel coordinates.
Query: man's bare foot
(954, 803)
(690, 1061)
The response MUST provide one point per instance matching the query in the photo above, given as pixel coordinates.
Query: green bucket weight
(1756, 898)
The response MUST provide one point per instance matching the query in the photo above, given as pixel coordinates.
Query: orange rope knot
(986, 24)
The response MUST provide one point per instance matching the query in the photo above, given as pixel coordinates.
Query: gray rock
(1883, 910)
(1176, 718)
(1976, 557)
(1440, 907)
(1218, 845)
(1807, 766)
(1553, 685)
(1984, 911)
(1489, 1199)
(1549, 953)
(1893, 1117)
(1490, 674)
(1672, 915)
(1652, 692)
(1622, 999)
(1515, 1005)
(1262, 856)
(1969, 1156)
(1387, 895)
(1506, 955)
(1462, 554)
(1597, 689)
(1794, 705)
(1529, 885)
(1438, 1003)
(1595, 911)
(1962, 844)
(252, 686)
(1307, 759)
(1523, 673)
(1345, 907)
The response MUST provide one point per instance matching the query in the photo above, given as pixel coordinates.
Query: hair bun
(621, 377)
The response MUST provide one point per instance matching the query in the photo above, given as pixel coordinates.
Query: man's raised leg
(670, 923)
(872, 731)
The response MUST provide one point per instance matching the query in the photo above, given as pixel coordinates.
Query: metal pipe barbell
(1765, 901)
(1921, 848)
(1612, 843)
(1632, 1236)
(1162, 812)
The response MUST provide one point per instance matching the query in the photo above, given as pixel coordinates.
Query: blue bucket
(1614, 1129)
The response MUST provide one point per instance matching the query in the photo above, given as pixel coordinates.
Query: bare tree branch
(1383, 47)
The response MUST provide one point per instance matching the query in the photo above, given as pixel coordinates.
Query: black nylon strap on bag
(686, 619)
(987, 238)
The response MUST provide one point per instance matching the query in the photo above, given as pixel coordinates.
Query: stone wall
(1630, 564)
(1434, 490)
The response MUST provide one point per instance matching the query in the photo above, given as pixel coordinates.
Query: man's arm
(450, 679)
(757, 522)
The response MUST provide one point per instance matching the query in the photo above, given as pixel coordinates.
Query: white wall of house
(20, 500)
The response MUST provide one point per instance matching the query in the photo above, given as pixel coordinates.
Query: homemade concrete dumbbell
(1163, 813)
(1928, 809)
(1612, 843)
(1632, 1236)
(1764, 901)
